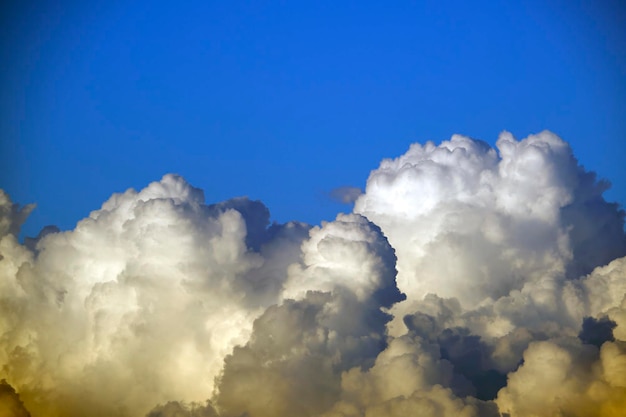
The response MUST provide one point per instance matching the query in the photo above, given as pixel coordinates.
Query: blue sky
(285, 101)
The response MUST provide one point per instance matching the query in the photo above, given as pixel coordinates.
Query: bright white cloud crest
(469, 281)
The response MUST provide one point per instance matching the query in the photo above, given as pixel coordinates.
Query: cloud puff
(346, 194)
(468, 281)
(178, 409)
(12, 216)
(565, 377)
(10, 403)
(348, 254)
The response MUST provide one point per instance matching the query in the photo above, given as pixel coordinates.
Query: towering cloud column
(476, 224)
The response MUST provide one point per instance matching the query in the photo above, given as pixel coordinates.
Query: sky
(315, 210)
(286, 102)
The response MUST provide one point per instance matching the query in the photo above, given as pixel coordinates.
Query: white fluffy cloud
(140, 303)
(474, 223)
(469, 281)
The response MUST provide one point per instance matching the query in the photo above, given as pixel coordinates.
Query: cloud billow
(468, 281)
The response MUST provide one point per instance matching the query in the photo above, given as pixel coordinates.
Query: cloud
(178, 409)
(10, 403)
(330, 321)
(576, 380)
(12, 216)
(474, 223)
(346, 195)
(468, 281)
(141, 302)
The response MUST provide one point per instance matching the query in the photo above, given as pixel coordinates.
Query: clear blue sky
(284, 101)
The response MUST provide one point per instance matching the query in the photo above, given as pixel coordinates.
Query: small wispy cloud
(346, 194)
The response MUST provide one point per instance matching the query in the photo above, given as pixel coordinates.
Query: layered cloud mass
(468, 281)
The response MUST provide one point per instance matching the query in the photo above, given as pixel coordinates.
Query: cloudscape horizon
(468, 280)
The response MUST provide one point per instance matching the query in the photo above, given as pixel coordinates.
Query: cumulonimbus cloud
(468, 281)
